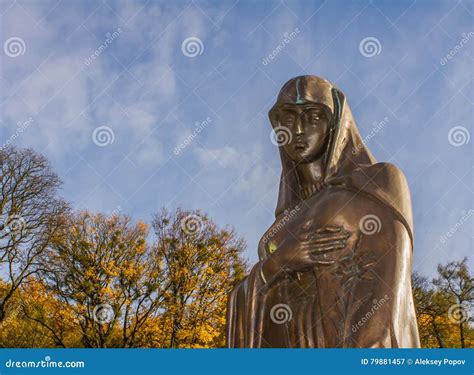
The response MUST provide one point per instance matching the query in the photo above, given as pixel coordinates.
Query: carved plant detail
(351, 269)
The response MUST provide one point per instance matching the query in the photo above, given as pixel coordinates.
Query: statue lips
(300, 145)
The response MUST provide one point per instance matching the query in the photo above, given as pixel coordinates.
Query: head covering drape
(346, 156)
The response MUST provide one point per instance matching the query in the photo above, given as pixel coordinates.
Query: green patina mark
(272, 246)
(335, 97)
(298, 95)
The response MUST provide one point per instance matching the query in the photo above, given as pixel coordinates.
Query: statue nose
(299, 126)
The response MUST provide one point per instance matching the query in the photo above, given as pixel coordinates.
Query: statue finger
(317, 238)
(330, 229)
(324, 250)
(325, 247)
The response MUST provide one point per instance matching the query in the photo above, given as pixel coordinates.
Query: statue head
(304, 111)
(316, 123)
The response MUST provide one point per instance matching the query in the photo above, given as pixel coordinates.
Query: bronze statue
(335, 266)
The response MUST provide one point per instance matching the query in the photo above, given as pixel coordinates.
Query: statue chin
(344, 224)
(304, 157)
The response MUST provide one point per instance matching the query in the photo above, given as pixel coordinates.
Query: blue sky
(150, 92)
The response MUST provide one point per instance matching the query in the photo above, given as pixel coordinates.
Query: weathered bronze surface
(334, 269)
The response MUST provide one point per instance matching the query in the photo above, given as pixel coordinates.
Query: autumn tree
(32, 305)
(103, 283)
(31, 215)
(102, 269)
(431, 311)
(201, 263)
(457, 284)
(444, 307)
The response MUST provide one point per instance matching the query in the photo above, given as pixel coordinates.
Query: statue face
(309, 127)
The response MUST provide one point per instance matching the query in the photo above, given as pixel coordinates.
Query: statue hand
(324, 240)
(296, 254)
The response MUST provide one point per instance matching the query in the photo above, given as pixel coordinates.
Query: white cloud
(225, 157)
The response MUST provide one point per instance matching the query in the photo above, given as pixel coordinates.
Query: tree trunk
(461, 333)
(437, 334)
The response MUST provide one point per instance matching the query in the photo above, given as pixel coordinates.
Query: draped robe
(358, 296)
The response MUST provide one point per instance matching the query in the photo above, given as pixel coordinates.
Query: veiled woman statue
(334, 268)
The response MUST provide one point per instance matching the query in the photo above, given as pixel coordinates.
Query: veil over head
(345, 149)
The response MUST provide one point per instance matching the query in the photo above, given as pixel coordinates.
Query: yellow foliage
(169, 294)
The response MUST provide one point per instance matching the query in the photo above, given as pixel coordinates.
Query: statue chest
(334, 207)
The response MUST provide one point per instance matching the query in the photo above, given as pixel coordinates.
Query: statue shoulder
(384, 180)
(388, 183)
(388, 171)
(386, 175)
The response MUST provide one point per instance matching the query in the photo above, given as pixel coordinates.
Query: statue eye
(313, 116)
(289, 118)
